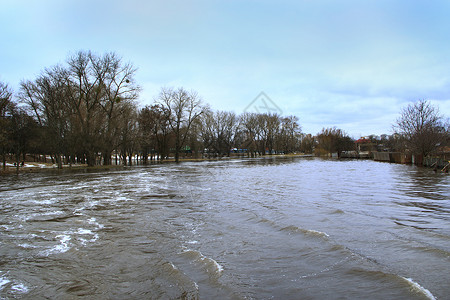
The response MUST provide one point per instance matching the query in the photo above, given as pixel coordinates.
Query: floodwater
(269, 228)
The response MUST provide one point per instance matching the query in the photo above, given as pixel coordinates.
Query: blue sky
(351, 64)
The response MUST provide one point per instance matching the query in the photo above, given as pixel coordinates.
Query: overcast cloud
(350, 64)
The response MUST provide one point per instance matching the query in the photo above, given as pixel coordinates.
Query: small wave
(211, 266)
(262, 220)
(189, 288)
(326, 269)
(413, 286)
(418, 288)
(310, 232)
(315, 232)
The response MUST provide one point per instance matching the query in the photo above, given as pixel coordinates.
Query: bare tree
(47, 98)
(128, 133)
(218, 131)
(116, 80)
(5, 97)
(21, 130)
(422, 127)
(270, 131)
(184, 108)
(290, 135)
(146, 138)
(81, 104)
(5, 109)
(250, 129)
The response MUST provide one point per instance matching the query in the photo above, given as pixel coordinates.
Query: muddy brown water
(269, 228)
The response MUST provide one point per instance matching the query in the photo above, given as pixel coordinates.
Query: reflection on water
(283, 228)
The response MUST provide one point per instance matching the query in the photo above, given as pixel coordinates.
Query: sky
(347, 63)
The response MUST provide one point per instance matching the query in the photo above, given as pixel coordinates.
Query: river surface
(269, 228)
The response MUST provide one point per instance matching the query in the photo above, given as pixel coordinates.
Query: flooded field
(269, 228)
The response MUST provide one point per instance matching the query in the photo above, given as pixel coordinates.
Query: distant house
(364, 145)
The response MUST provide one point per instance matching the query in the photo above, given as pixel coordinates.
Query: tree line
(86, 111)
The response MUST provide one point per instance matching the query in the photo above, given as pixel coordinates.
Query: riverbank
(30, 167)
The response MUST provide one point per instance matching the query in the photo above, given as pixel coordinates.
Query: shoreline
(34, 167)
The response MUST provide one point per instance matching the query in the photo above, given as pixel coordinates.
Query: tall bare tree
(116, 79)
(81, 104)
(184, 108)
(47, 98)
(100, 86)
(422, 126)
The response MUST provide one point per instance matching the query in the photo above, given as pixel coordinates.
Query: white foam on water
(62, 247)
(44, 202)
(417, 287)
(316, 232)
(173, 266)
(3, 281)
(64, 243)
(93, 221)
(83, 231)
(219, 267)
(206, 261)
(16, 287)
(27, 246)
(19, 288)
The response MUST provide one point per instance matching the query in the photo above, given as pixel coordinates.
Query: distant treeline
(86, 111)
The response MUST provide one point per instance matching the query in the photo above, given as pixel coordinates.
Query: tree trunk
(145, 157)
(107, 157)
(17, 162)
(124, 158)
(91, 158)
(177, 148)
(58, 161)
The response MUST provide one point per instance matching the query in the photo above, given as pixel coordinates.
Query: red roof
(362, 141)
